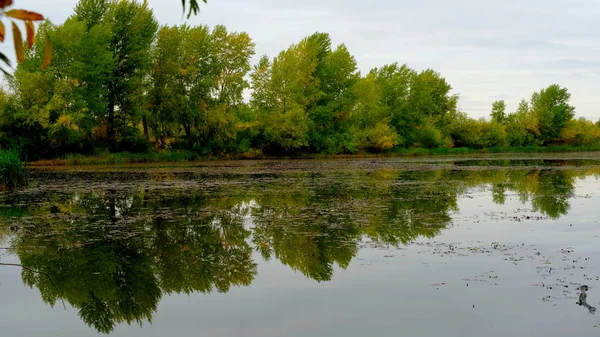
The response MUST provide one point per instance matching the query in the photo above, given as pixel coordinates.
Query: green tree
(72, 42)
(133, 29)
(369, 124)
(91, 98)
(419, 105)
(394, 82)
(522, 126)
(498, 112)
(175, 73)
(552, 109)
(336, 75)
(199, 79)
(231, 53)
(430, 97)
(282, 99)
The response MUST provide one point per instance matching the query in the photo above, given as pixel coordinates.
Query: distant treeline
(120, 82)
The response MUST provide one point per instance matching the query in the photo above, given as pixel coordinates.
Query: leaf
(194, 7)
(2, 31)
(5, 3)
(4, 59)
(30, 33)
(18, 39)
(47, 53)
(24, 15)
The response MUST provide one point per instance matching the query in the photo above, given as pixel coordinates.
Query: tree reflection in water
(113, 253)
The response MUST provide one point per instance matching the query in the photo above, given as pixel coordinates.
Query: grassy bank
(185, 156)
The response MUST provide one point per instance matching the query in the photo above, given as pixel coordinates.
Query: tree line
(119, 81)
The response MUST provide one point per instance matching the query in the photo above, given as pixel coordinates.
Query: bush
(431, 137)
(12, 172)
(465, 131)
(379, 138)
(478, 133)
(493, 134)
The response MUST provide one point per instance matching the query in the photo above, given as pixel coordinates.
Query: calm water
(304, 248)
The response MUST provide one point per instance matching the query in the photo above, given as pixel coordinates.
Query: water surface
(304, 248)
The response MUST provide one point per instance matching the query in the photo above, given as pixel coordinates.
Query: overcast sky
(487, 50)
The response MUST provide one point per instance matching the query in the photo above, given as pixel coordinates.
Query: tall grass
(12, 171)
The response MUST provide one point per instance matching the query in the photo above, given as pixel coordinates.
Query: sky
(487, 50)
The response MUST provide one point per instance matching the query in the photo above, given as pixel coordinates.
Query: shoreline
(176, 157)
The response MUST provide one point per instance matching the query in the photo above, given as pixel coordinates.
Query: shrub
(431, 137)
(493, 134)
(379, 138)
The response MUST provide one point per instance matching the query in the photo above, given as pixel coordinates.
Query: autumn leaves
(28, 18)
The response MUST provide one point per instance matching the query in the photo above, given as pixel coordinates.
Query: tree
(336, 75)
(369, 124)
(394, 82)
(419, 104)
(133, 30)
(522, 126)
(498, 112)
(198, 82)
(168, 95)
(282, 99)
(231, 53)
(430, 97)
(28, 17)
(552, 109)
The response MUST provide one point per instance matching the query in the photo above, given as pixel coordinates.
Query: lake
(349, 247)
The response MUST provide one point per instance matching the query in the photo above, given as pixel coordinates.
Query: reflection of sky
(477, 212)
(487, 50)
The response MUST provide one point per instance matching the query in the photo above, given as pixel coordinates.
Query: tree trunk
(145, 124)
(111, 131)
